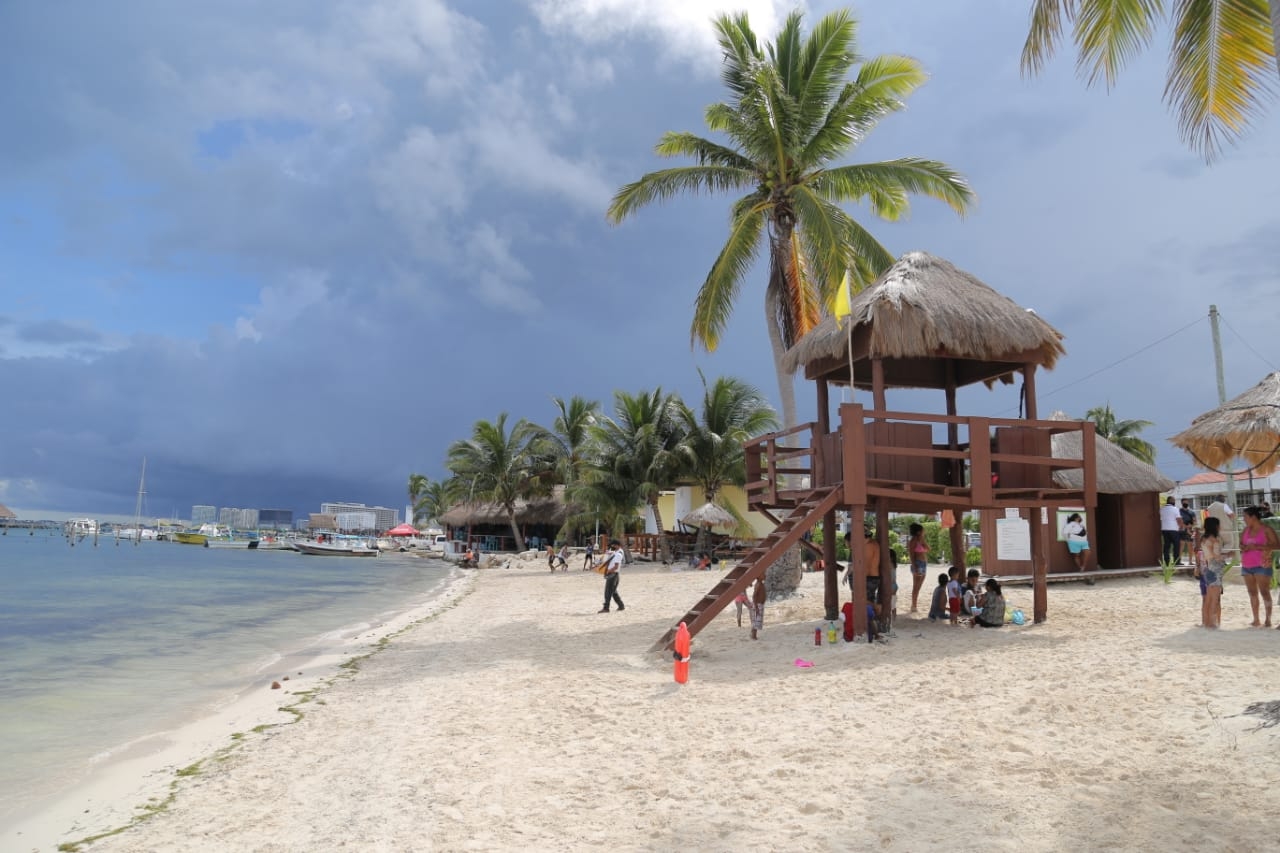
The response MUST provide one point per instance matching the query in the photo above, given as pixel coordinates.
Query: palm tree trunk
(515, 528)
(664, 544)
(786, 382)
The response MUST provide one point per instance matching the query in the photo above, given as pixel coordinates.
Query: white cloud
(495, 272)
(681, 27)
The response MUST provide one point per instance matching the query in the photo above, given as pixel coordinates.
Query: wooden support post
(831, 574)
(888, 570)
(1039, 567)
(1029, 386)
(858, 568)
(957, 545)
(953, 429)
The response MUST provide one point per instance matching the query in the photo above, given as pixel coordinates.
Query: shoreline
(523, 719)
(124, 781)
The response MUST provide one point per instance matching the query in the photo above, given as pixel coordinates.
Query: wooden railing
(983, 462)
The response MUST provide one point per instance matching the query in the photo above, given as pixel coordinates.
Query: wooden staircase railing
(806, 514)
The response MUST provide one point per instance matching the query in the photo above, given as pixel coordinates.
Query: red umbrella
(403, 530)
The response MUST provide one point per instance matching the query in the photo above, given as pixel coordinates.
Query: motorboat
(334, 546)
(82, 527)
(190, 537)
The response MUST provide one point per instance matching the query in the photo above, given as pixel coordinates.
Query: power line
(1245, 341)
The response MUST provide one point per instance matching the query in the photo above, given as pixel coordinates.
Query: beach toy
(803, 664)
(681, 654)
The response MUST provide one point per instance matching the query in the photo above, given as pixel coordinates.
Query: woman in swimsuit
(1210, 575)
(1257, 541)
(918, 551)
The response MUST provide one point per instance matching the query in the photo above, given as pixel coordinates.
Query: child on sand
(970, 594)
(1210, 574)
(740, 602)
(938, 606)
(953, 594)
(918, 552)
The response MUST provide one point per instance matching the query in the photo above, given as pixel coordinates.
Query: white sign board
(1012, 512)
(1013, 539)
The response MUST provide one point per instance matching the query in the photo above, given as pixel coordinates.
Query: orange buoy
(681, 654)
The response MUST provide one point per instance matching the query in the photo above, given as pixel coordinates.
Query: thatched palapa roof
(5, 512)
(1246, 427)
(1119, 472)
(539, 511)
(922, 317)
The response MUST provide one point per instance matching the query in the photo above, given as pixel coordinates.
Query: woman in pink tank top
(1257, 541)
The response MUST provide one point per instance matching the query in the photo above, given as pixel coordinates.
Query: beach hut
(924, 324)
(489, 524)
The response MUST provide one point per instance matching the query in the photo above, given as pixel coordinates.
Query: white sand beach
(523, 719)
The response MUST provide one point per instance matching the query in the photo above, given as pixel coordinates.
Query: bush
(973, 557)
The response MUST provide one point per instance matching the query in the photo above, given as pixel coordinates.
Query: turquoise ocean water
(104, 645)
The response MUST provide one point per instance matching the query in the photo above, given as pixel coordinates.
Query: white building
(238, 519)
(384, 519)
(355, 522)
(1204, 489)
(204, 514)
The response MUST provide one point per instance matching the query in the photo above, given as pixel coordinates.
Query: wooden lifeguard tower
(923, 324)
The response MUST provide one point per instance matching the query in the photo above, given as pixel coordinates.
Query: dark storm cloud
(57, 332)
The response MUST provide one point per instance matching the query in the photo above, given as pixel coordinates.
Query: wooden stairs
(808, 512)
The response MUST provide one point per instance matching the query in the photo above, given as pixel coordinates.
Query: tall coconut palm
(1123, 434)
(1222, 59)
(711, 452)
(792, 114)
(501, 467)
(418, 484)
(635, 451)
(570, 435)
(435, 500)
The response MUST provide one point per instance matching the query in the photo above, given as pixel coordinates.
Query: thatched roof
(920, 316)
(1246, 427)
(1119, 472)
(710, 515)
(5, 512)
(539, 511)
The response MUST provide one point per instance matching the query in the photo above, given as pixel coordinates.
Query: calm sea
(103, 645)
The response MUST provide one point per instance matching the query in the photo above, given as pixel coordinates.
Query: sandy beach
(520, 718)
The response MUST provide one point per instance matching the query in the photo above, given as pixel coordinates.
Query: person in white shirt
(1170, 531)
(1226, 523)
(612, 566)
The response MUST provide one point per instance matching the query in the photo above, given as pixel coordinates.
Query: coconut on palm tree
(501, 467)
(1222, 56)
(1123, 434)
(792, 114)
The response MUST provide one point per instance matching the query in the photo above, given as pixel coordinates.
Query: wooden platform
(1095, 575)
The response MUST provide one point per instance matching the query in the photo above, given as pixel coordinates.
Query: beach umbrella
(403, 530)
(710, 515)
(1246, 427)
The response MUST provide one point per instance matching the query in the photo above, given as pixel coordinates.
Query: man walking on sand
(613, 565)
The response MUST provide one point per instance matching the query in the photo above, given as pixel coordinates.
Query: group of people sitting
(958, 601)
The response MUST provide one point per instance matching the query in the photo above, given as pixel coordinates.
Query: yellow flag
(844, 297)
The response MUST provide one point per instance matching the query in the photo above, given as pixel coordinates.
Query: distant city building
(354, 522)
(275, 519)
(238, 519)
(204, 514)
(384, 519)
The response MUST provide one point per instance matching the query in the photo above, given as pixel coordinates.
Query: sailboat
(137, 533)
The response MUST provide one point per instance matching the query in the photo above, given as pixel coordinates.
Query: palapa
(710, 515)
(920, 315)
(1119, 471)
(550, 511)
(1246, 427)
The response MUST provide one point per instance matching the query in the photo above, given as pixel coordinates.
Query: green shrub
(973, 557)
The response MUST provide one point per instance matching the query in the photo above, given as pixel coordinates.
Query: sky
(288, 252)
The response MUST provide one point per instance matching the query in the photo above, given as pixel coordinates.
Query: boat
(329, 545)
(275, 543)
(82, 527)
(190, 537)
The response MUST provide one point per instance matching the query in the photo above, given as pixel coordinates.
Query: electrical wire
(1245, 341)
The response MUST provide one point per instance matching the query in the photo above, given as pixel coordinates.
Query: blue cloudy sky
(288, 251)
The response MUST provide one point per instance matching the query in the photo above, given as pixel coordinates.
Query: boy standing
(953, 594)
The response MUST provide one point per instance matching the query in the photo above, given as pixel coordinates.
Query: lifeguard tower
(924, 324)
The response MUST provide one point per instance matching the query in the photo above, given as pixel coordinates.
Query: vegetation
(1123, 434)
(795, 110)
(500, 466)
(1222, 58)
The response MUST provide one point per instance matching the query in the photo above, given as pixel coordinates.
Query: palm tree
(500, 468)
(635, 458)
(570, 435)
(711, 452)
(1123, 434)
(418, 484)
(792, 113)
(1221, 60)
(435, 500)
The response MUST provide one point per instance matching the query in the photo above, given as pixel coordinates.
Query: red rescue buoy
(681, 654)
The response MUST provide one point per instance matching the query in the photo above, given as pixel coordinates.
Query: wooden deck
(1095, 575)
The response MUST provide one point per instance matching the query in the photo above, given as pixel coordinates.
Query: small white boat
(332, 546)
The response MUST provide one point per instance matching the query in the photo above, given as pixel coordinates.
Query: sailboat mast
(137, 511)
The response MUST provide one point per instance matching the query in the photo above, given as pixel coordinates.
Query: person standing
(1226, 523)
(1077, 540)
(758, 597)
(1211, 575)
(1170, 531)
(918, 553)
(1257, 541)
(591, 551)
(613, 565)
(1188, 532)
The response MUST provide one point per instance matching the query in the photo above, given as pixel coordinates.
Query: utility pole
(1222, 395)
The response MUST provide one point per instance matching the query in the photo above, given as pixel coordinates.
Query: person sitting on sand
(938, 606)
(704, 562)
(992, 612)
(1210, 575)
(969, 595)
(758, 597)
